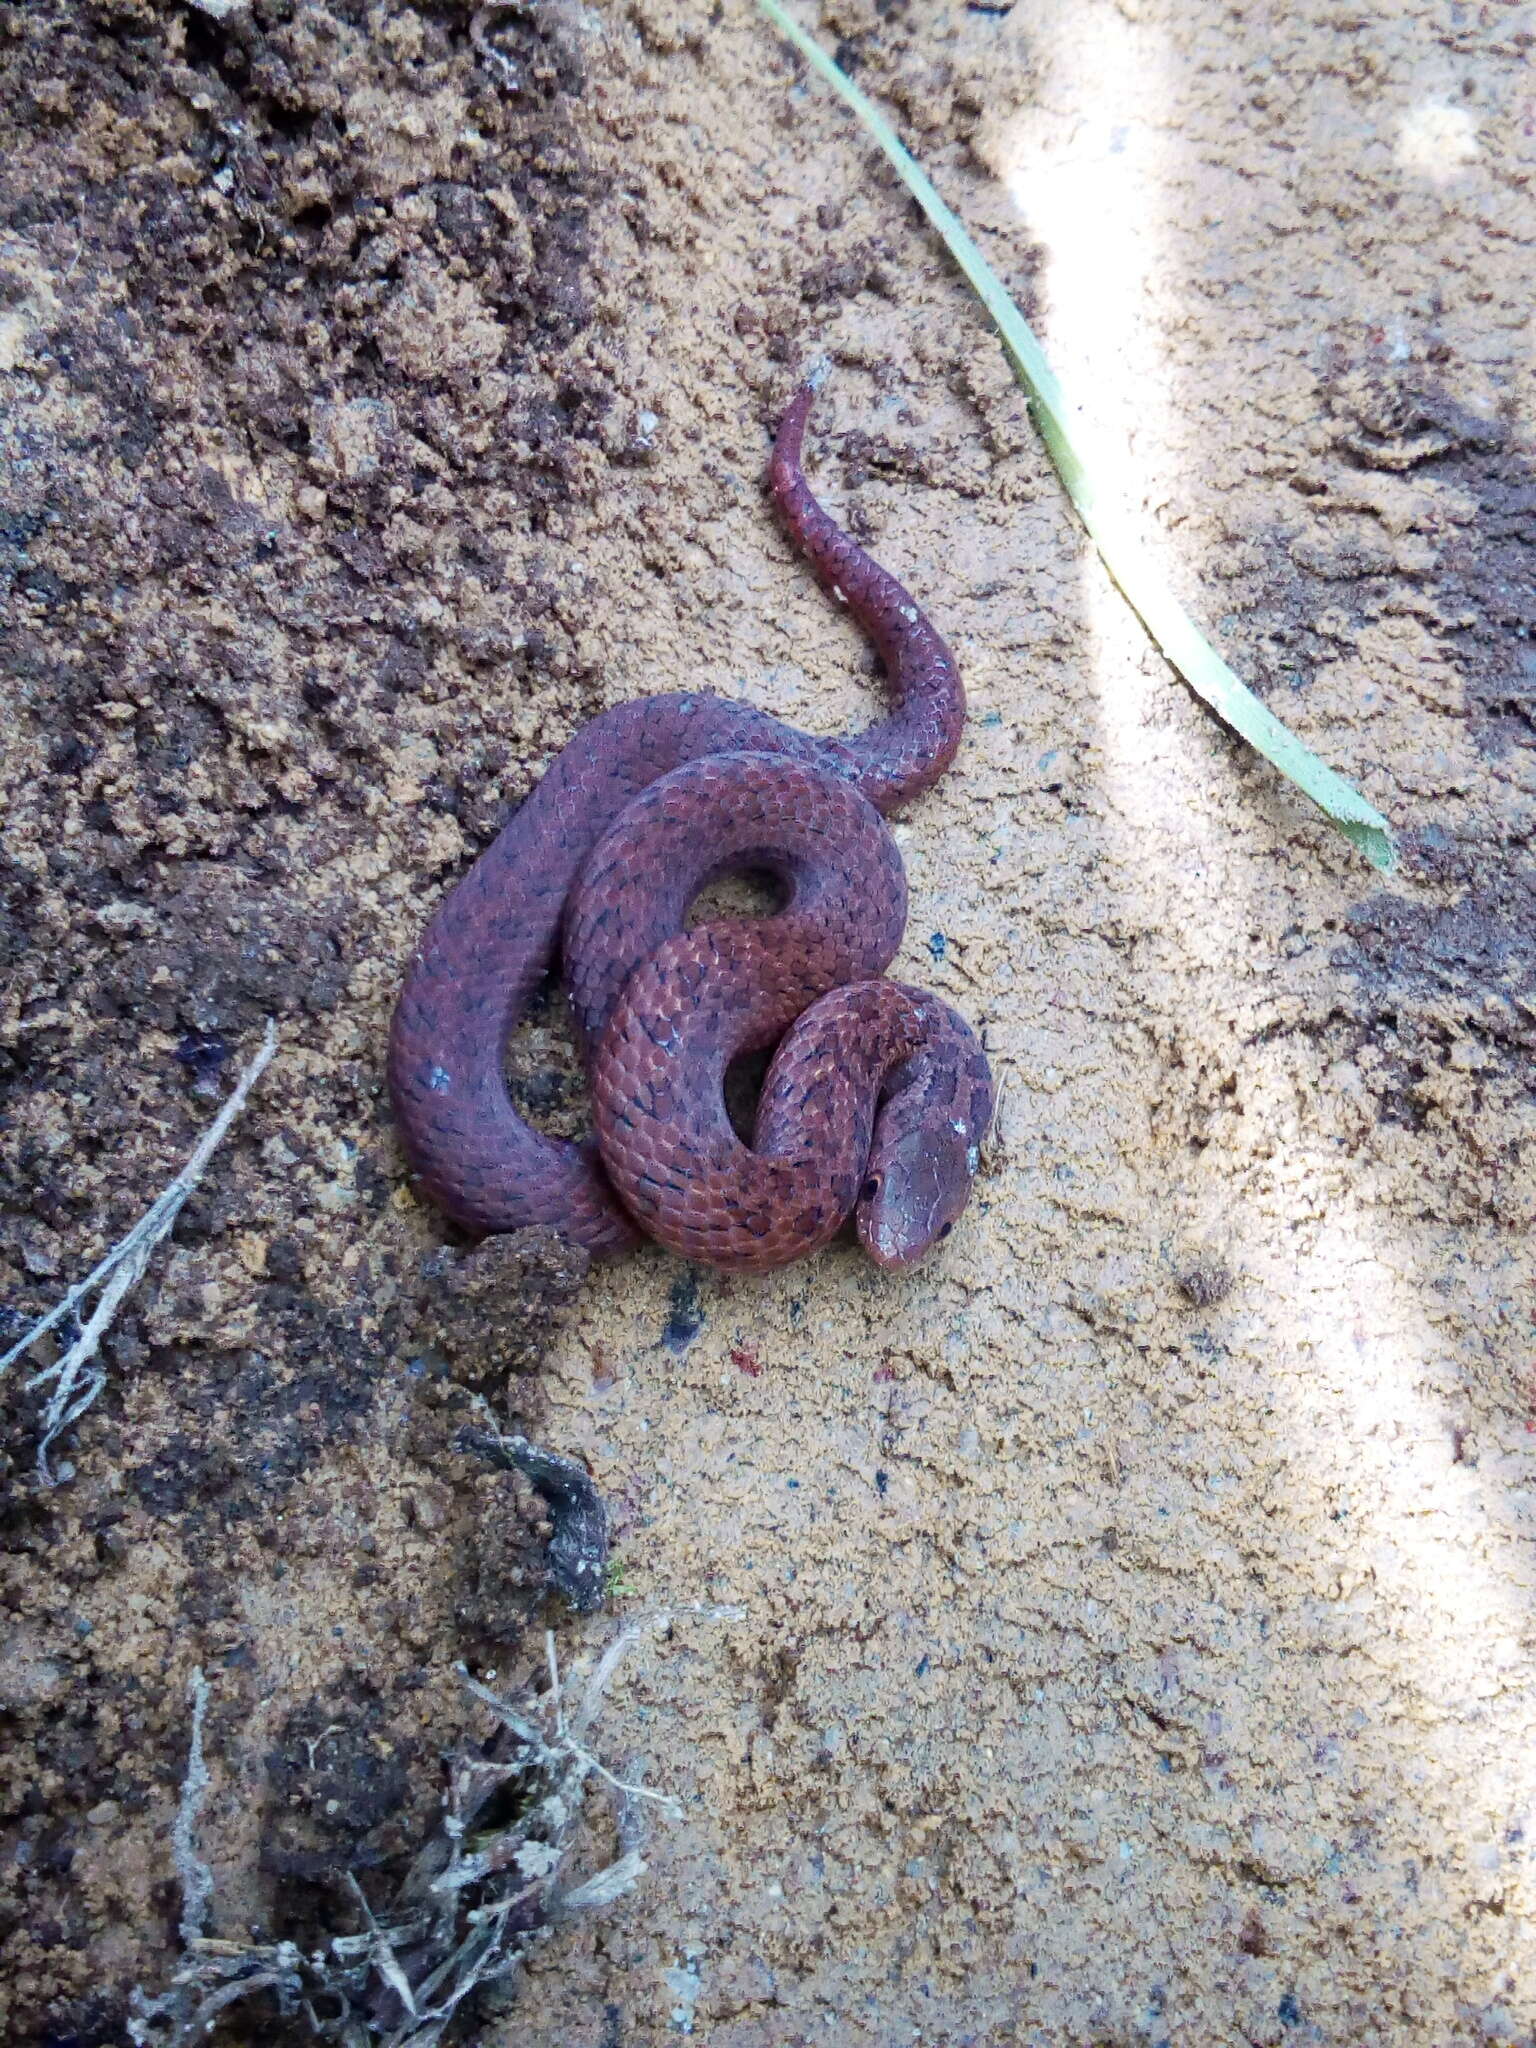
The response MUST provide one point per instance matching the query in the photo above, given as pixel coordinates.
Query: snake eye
(946, 1230)
(870, 1189)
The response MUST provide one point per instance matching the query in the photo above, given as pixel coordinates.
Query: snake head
(919, 1180)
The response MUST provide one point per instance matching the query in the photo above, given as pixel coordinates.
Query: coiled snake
(878, 1096)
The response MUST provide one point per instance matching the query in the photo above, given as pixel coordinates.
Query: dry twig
(74, 1377)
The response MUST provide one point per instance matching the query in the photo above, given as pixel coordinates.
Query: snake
(878, 1094)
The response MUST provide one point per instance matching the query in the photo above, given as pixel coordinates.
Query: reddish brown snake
(878, 1096)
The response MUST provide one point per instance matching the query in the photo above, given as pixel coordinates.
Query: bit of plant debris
(486, 1888)
(577, 1556)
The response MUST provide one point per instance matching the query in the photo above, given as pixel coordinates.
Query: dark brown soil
(253, 482)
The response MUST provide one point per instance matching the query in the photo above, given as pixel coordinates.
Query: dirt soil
(1138, 1640)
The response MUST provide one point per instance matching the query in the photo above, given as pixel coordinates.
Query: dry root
(487, 1887)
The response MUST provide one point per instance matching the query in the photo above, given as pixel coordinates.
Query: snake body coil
(878, 1096)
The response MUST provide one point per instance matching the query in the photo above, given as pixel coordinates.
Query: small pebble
(1205, 1282)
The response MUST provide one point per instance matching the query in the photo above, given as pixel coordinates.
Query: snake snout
(912, 1197)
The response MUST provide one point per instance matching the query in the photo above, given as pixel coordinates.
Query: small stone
(124, 917)
(428, 1511)
(30, 1677)
(1204, 1282)
(41, 1251)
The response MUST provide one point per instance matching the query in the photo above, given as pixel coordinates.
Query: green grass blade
(1120, 548)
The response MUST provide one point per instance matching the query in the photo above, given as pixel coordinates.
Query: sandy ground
(1137, 1641)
